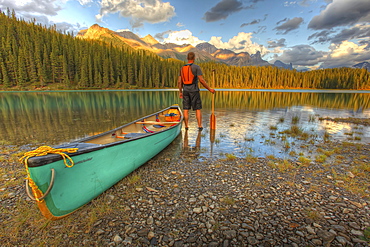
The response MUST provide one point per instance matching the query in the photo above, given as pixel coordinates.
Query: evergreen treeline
(278, 78)
(34, 55)
(31, 54)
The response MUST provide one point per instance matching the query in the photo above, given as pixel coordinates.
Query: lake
(249, 122)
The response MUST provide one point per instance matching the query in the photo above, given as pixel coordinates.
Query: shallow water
(249, 122)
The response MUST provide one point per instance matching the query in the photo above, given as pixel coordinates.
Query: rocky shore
(188, 200)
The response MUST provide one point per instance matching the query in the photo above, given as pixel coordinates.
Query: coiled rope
(41, 151)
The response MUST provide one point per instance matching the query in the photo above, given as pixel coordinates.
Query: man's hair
(191, 56)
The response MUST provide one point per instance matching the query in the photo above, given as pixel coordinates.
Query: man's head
(191, 56)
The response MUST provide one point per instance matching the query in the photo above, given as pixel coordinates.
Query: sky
(310, 34)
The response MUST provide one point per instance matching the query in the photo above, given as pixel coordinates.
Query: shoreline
(278, 90)
(196, 201)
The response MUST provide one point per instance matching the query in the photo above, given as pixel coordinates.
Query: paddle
(213, 117)
(212, 135)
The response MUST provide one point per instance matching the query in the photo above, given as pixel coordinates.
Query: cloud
(341, 13)
(182, 37)
(356, 32)
(240, 43)
(160, 36)
(360, 31)
(60, 26)
(302, 55)
(85, 2)
(222, 10)
(139, 11)
(289, 25)
(261, 29)
(346, 54)
(255, 21)
(321, 37)
(276, 43)
(46, 7)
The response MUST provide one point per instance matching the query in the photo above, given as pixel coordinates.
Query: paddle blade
(212, 135)
(213, 122)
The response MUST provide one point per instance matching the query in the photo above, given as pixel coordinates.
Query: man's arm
(204, 83)
(179, 84)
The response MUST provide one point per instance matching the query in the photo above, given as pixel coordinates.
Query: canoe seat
(131, 135)
(79, 145)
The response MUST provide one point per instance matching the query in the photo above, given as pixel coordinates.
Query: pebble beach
(188, 200)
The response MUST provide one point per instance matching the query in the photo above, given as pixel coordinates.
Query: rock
(150, 235)
(359, 205)
(152, 190)
(350, 174)
(310, 230)
(316, 242)
(357, 233)
(230, 234)
(127, 241)
(252, 240)
(143, 232)
(117, 239)
(197, 210)
(354, 225)
(150, 220)
(338, 228)
(342, 240)
(325, 235)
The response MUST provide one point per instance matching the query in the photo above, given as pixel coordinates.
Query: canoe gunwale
(49, 158)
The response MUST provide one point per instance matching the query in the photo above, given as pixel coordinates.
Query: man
(189, 93)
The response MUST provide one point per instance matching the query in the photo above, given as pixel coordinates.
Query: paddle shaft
(213, 117)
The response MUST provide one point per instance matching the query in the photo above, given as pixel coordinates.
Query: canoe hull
(94, 172)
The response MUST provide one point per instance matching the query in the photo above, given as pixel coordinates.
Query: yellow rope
(41, 151)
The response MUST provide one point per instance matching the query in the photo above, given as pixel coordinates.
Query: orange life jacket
(187, 76)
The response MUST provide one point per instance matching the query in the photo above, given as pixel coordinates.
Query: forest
(33, 56)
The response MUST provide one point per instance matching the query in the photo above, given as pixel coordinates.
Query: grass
(251, 159)
(228, 200)
(311, 118)
(313, 214)
(295, 119)
(273, 127)
(230, 156)
(282, 166)
(321, 158)
(305, 161)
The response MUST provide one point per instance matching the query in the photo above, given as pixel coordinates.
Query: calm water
(248, 122)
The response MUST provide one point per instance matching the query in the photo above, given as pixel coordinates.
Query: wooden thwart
(155, 122)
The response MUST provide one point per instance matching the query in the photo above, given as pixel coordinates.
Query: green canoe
(94, 164)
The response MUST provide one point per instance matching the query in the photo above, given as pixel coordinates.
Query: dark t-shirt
(194, 86)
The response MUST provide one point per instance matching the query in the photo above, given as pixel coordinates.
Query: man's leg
(186, 118)
(199, 118)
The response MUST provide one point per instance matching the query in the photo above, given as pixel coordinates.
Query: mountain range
(204, 51)
(363, 65)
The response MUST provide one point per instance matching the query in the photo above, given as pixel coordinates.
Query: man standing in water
(190, 76)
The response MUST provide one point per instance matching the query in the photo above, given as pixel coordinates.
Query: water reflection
(192, 149)
(247, 122)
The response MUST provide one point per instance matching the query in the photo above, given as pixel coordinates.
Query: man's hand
(212, 90)
(180, 95)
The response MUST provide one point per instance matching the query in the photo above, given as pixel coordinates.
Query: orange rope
(41, 151)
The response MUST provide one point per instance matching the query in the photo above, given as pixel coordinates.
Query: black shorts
(191, 100)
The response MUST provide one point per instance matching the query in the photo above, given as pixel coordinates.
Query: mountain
(362, 65)
(280, 64)
(232, 58)
(204, 51)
